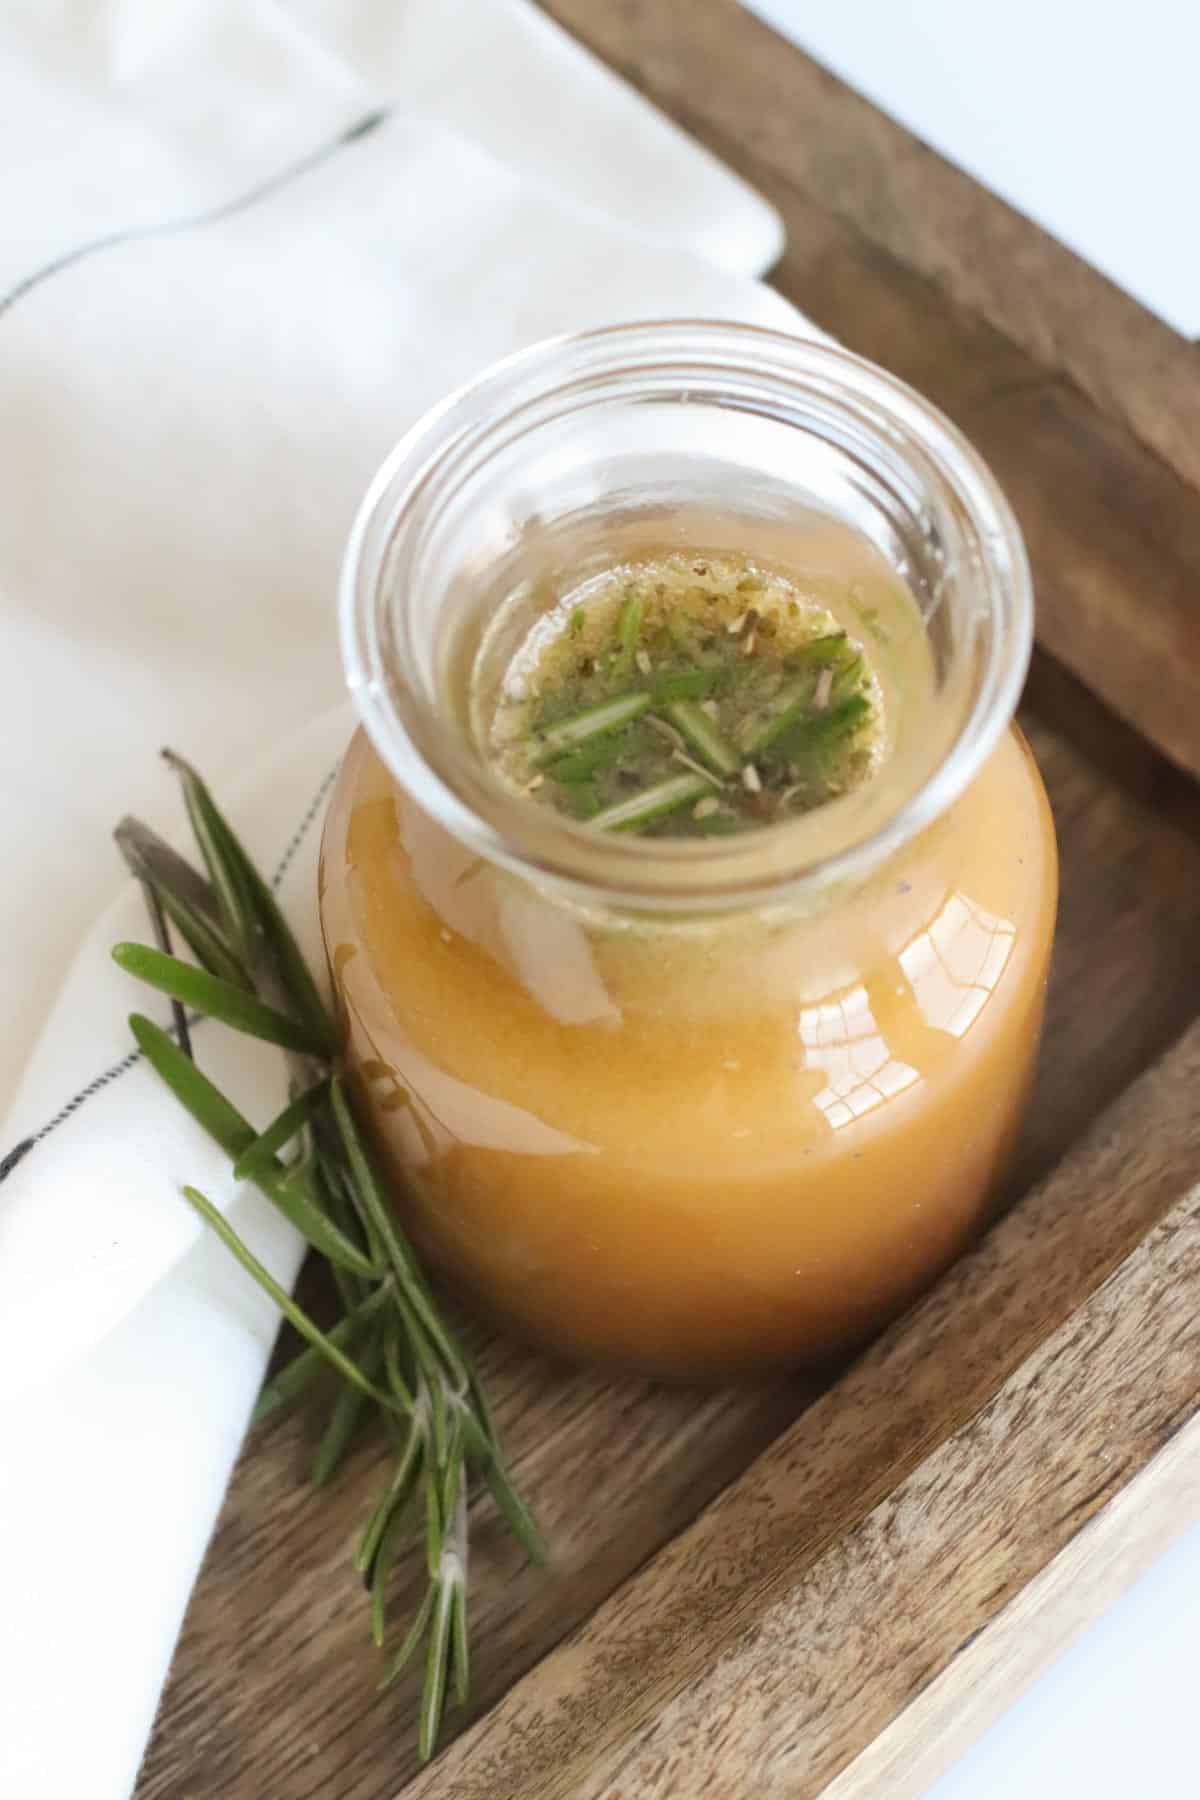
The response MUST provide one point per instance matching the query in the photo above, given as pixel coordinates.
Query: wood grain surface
(867, 1540)
(1087, 408)
(1043, 1619)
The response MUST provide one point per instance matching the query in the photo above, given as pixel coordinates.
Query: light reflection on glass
(948, 969)
(954, 965)
(842, 1038)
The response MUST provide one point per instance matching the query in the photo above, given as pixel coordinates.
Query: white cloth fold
(247, 245)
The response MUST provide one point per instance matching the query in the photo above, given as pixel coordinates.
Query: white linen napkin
(245, 245)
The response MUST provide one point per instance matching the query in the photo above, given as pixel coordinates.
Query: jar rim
(664, 874)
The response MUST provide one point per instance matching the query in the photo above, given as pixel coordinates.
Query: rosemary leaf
(384, 1559)
(344, 1420)
(227, 877)
(294, 1198)
(209, 1107)
(482, 1419)
(294, 1314)
(150, 858)
(185, 897)
(452, 1471)
(337, 1183)
(513, 1509)
(482, 1443)
(435, 1398)
(162, 937)
(296, 1376)
(195, 1092)
(435, 1524)
(412, 1639)
(434, 1695)
(396, 1377)
(259, 1158)
(266, 917)
(205, 943)
(460, 1652)
(219, 999)
(394, 1497)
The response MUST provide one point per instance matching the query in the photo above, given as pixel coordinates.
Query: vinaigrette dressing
(705, 1144)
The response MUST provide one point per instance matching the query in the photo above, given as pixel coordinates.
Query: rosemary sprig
(393, 1352)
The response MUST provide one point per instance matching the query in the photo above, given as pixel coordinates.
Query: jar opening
(562, 451)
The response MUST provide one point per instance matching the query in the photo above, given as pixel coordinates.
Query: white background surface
(1082, 113)
(1113, 1719)
(1095, 133)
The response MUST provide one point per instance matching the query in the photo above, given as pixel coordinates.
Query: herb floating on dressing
(686, 697)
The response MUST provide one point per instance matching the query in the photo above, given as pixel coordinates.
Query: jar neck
(563, 445)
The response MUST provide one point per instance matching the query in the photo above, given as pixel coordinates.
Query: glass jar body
(693, 1145)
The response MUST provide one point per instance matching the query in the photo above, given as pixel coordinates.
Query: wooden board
(738, 1577)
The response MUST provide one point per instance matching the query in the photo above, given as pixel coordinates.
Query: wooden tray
(827, 1588)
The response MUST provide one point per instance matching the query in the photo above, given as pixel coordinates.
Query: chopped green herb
(834, 649)
(583, 800)
(847, 678)
(686, 684)
(705, 715)
(628, 632)
(652, 803)
(824, 731)
(608, 716)
(600, 752)
(705, 737)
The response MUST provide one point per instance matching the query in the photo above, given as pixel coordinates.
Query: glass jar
(706, 1106)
